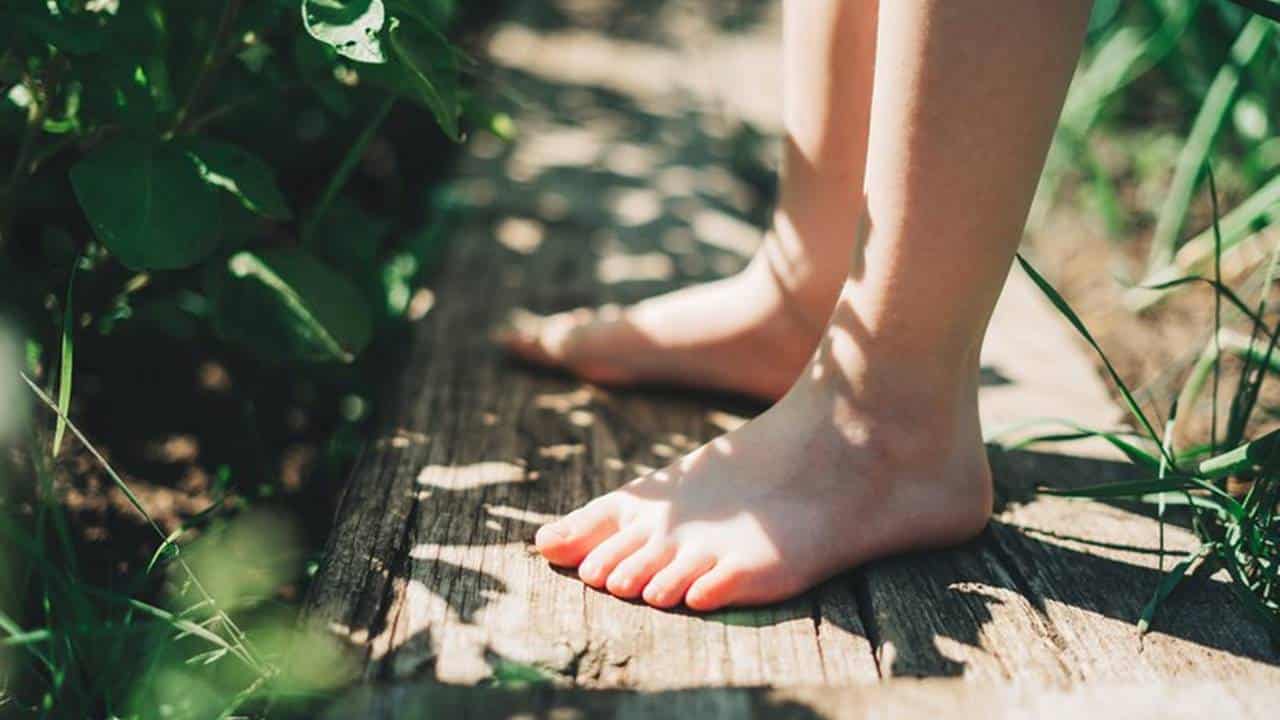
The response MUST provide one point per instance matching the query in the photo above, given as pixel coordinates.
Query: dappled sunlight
(562, 452)
(553, 206)
(475, 192)
(634, 206)
(725, 422)
(556, 146)
(564, 402)
(726, 232)
(402, 438)
(677, 180)
(613, 268)
(470, 477)
(520, 235)
(630, 159)
(520, 515)
(585, 58)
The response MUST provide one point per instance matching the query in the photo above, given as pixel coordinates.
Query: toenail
(558, 530)
(623, 583)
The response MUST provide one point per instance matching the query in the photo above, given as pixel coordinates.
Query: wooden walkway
(642, 164)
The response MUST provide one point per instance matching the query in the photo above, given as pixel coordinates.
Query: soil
(1153, 350)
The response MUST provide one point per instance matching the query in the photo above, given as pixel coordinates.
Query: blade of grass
(1240, 459)
(1168, 583)
(1235, 227)
(1217, 310)
(238, 635)
(1065, 310)
(1204, 131)
(65, 363)
(1221, 501)
(1228, 342)
(1217, 286)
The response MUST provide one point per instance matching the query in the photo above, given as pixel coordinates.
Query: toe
(633, 573)
(567, 541)
(599, 563)
(715, 589)
(543, 340)
(523, 336)
(668, 586)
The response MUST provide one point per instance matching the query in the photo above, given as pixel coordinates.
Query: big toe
(542, 339)
(567, 541)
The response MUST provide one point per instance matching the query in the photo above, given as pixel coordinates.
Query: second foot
(745, 334)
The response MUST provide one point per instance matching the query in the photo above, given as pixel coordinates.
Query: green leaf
(119, 91)
(511, 674)
(428, 67)
(351, 27)
(350, 238)
(315, 64)
(240, 173)
(77, 34)
(148, 204)
(1168, 583)
(287, 305)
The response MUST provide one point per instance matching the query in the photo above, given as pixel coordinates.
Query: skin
(916, 133)
(754, 332)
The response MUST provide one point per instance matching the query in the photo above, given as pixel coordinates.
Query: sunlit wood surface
(643, 162)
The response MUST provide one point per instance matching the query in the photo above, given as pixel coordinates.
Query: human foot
(748, 334)
(823, 481)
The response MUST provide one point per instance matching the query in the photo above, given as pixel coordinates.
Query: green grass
(217, 645)
(1203, 72)
(1238, 534)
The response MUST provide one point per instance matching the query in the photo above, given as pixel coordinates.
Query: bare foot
(745, 334)
(845, 468)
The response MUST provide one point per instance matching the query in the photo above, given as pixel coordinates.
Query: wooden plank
(430, 571)
(895, 699)
(430, 574)
(1052, 592)
(456, 591)
(1092, 567)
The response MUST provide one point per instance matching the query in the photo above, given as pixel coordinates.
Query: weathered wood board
(620, 186)
(896, 699)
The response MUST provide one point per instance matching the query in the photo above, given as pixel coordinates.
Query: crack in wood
(866, 615)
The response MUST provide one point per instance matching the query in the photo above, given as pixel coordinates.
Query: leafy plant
(192, 176)
(125, 98)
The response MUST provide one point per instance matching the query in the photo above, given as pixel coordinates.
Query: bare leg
(876, 449)
(752, 333)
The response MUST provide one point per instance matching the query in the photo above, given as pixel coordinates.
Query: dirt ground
(1153, 349)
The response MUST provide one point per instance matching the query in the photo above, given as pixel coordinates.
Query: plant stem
(214, 56)
(348, 164)
(8, 204)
